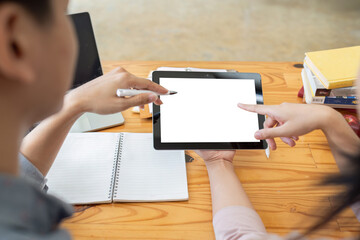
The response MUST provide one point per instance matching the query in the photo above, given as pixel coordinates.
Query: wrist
(73, 105)
(219, 164)
(328, 119)
(341, 138)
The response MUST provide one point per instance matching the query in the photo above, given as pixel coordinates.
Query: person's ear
(15, 65)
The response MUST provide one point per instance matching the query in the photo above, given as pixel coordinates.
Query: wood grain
(284, 189)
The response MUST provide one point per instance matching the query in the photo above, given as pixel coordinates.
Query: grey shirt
(26, 211)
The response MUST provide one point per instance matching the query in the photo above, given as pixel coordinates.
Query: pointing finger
(260, 109)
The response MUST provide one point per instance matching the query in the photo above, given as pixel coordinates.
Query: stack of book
(329, 77)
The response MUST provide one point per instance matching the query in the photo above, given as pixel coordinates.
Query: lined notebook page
(82, 171)
(146, 174)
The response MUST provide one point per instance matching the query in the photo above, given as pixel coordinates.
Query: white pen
(134, 92)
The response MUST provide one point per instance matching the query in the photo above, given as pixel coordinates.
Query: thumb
(141, 99)
(269, 133)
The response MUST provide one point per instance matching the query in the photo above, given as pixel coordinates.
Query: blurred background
(220, 30)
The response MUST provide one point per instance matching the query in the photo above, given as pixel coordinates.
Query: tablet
(204, 113)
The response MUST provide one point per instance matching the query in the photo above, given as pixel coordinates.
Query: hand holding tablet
(204, 113)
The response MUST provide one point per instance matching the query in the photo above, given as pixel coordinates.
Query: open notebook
(116, 167)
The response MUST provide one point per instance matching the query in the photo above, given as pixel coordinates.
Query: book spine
(334, 100)
(341, 84)
(322, 92)
(337, 92)
(349, 91)
(341, 100)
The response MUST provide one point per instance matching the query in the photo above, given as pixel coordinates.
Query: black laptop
(89, 68)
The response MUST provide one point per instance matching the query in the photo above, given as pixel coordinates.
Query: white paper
(150, 175)
(83, 168)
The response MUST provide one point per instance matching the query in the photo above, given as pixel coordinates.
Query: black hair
(350, 180)
(39, 9)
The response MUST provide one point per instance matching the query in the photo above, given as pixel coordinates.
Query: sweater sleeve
(240, 223)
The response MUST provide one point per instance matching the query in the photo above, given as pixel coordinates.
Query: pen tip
(173, 92)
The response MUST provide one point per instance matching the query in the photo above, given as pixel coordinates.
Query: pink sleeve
(356, 209)
(238, 222)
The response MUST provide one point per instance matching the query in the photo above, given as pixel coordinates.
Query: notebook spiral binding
(116, 168)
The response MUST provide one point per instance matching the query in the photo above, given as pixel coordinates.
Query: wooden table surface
(283, 188)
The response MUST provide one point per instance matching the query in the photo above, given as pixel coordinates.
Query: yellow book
(335, 68)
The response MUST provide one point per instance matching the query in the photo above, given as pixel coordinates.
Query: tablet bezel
(206, 145)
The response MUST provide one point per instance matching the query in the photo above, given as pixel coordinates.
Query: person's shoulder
(29, 213)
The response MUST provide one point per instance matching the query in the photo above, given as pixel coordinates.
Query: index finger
(142, 83)
(260, 109)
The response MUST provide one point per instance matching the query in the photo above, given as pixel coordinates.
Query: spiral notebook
(116, 167)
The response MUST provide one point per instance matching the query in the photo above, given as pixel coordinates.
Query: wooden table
(281, 188)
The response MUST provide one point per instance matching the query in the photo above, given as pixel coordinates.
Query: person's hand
(213, 156)
(99, 95)
(288, 121)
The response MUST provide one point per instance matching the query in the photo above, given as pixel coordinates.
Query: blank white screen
(205, 110)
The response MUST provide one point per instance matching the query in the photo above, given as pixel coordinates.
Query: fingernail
(239, 105)
(152, 97)
(258, 135)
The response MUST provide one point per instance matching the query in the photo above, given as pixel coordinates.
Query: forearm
(42, 144)
(226, 189)
(341, 138)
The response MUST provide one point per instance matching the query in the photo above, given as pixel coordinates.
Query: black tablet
(204, 113)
